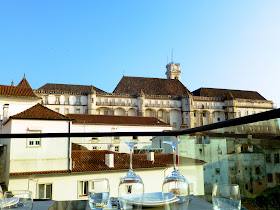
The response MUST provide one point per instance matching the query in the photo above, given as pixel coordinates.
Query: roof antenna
(172, 55)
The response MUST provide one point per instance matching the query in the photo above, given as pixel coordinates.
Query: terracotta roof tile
(227, 93)
(168, 159)
(65, 88)
(115, 120)
(39, 172)
(17, 91)
(151, 86)
(94, 160)
(39, 111)
(24, 83)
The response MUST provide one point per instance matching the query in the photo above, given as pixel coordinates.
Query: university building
(165, 99)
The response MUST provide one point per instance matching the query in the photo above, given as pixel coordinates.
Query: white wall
(144, 141)
(65, 186)
(50, 155)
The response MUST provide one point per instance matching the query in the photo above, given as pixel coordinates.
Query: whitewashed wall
(65, 186)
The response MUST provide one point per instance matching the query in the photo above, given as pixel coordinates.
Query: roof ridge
(26, 112)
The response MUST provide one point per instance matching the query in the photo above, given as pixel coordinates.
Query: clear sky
(231, 44)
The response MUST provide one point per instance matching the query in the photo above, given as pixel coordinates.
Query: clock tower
(173, 71)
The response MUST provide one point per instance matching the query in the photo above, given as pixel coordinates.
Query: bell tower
(173, 71)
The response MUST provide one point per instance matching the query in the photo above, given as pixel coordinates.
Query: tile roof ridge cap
(145, 77)
(40, 105)
(228, 89)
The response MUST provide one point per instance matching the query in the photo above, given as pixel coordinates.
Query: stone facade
(166, 99)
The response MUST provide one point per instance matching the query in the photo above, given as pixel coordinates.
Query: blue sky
(219, 43)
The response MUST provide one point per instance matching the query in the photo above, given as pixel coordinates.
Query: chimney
(151, 156)
(109, 160)
(5, 111)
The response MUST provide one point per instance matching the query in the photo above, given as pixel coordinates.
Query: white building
(166, 99)
(87, 165)
(104, 123)
(15, 99)
(50, 169)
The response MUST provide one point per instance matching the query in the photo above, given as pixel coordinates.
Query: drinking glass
(20, 199)
(175, 188)
(131, 187)
(226, 196)
(98, 193)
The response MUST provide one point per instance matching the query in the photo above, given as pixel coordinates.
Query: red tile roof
(168, 159)
(70, 89)
(115, 120)
(151, 86)
(94, 160)
(227, 93)
(39, 172)
(39, 111)
(17, 91)
(24, 83)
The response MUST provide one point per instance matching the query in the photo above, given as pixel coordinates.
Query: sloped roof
(24, 83)
(151, 86)
(39, 172)
(49, 87)
(227, 93)
(17, 91)
(39, 111)
(94, 160)
(115, 120)
(168, 159)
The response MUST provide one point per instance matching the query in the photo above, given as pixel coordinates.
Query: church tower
(173, 71)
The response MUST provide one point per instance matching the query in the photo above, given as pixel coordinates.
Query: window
(57, 100)
(239, 114)
(204, 114)
(269, 177)
(116, 137)
(57, 110)
(258, 170)
(276, 158)
(66, 111)
(45, 191)
(135, 137)
(217, 171)
(46, 100)
(67, 101)
(34, 142)
(174, 125)
(78, 101)
(117, 148)
(128, 188)
(105, 112)
(268, 158)
(94, 148)
(218, 119)
(83, 188)
(194, 114)
(78, 111)
(277, 176)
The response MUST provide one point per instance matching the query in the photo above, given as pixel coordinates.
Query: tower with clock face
(173, 71)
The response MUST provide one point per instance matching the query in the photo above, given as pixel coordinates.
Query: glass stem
(130, 159)
(174, 158)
